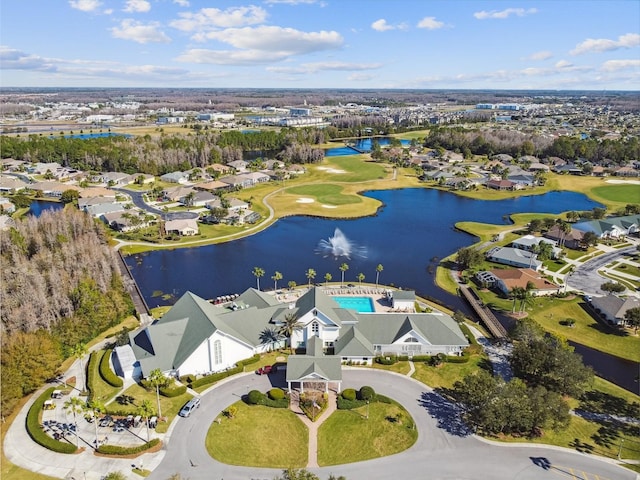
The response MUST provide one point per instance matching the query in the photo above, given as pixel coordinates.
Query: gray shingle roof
(353, 343)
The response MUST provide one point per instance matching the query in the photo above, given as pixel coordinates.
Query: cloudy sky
(453, 44)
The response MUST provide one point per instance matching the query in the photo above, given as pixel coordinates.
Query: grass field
(327, 194)
(377, 436)
(259, 436)
(446, 374)
(619, 193)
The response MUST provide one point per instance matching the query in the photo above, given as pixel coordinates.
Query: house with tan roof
(506, 279)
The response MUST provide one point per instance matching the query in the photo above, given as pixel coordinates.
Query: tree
(276, 276)
(258, 272)
(292, 284)
(632, 318)
(145, 410)
(290, 325)
(327, 278)
(79, 351)
(157, 380)
(269, 337)
(95, 407)
(589, 238)
(310, 274)
(379, 269)
(516, 293)
(599, 213)
(543, 250)
(612, 287)
(69, 196)
(294, 474)
(343, 268)
(535, 225)
(573, 216)
(565, 228)
(469, 257)
(75, 405)
(360, 277)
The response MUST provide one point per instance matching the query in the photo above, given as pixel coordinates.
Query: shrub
(349, 394)
(255, 397)
(249, 361)
(172, 391)
(187, 379)
(90, 378)
(117, 450)
(106, 373)
(366, 393)
(421, 358)
(214, 377)
(456, 359)
(387, 360)
(276, 394)
(35, 430)
(344, 404)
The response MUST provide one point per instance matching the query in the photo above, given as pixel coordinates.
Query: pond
(361, 145)
(38, 206)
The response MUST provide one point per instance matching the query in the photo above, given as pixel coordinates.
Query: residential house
(52, 189)
(256, 177)
(613, 308)
(237, 181)
(85, 203)
(200, 199)
(101, 209)
(506, 279)
(175, 177)
(11, 184)
(572, 239)
(538, 167)
(611, 227)
(174, 194)
(514, 257)
(530, 242)
(6, 206)
(98, 192)
(238, 166)
(197, 337)
(522, 180)
(501, 184)
(126, 221)
(6, 222)
(12, 165)
(626, 172)
(184, 227)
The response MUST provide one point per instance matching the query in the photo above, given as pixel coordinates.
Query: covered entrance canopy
(314, 367)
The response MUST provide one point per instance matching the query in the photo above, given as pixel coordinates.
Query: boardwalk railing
(132, 288)
(488, 318)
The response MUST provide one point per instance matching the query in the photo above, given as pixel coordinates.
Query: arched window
(411, 340)
(217, 352)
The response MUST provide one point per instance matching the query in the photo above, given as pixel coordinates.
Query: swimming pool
(359, 304)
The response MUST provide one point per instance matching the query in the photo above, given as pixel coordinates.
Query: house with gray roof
(198, 337)
(613, 308)
(611, 227)
(514, 257)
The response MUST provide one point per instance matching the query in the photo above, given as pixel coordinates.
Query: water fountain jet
(340, 246)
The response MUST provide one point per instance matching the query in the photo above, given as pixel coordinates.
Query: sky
(357, 44)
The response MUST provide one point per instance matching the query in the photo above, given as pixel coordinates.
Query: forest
(59, 287)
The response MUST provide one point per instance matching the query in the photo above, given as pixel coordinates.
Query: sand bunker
(633, 182)
(331, 170)
(305, 200)
(329, 206)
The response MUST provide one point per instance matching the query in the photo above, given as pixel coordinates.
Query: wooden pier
(132, 287)
(488, 318)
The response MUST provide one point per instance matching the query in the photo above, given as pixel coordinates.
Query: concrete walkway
(313, 427)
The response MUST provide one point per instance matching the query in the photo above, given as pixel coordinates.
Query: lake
(38, 206)
(361, 145)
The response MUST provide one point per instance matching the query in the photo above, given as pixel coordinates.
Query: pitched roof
(316, 299)
(352, 343)
(386, 328)
(520, 277)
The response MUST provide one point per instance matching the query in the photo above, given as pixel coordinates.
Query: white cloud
(314, 67)
(430, 23)
(85, 5)
(615, 65)
(230, 57)
(563, 64)
(139, 6)
(291, 2)
(210, 18)
(542, 55)
(599, 45)
(13, 59)
(360, 77)
(182, 3)
(506, 13)
(139, 32)
(273, 40)
(382, 26)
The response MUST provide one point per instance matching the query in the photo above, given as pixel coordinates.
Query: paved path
(586, 279)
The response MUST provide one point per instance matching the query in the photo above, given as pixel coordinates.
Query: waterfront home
(197, 337)
(126, 221)
(238, 165)
(514, 257)
(611, 227)
(11, 184)
(612, 308)
(501, 184)
(52, 189)
(6, 222)
(506, 279)
(572, 239)
(530, 243)
(183, 227)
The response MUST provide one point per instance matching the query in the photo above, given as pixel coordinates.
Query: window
(217, 352)
(411, 340)
(315, 328)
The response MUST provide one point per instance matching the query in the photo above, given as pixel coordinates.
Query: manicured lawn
(628, 269)
(329, 194)
(586, 330)
(446, 374)
(620, 193)
(347, 436)
(101, 390)
(398, 367)
(259, 436)
(355, 169)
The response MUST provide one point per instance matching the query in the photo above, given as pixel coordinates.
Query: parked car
(266, 370)
(189, 407)
(105, 421)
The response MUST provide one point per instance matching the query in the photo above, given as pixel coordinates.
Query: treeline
(160, 155)
(546, 370)
(59, 287)
(516, 144)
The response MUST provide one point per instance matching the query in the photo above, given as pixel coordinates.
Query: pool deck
(378, 294)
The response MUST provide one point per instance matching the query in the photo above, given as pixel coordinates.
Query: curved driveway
(444, 449)
(138, 200)
(585, 278)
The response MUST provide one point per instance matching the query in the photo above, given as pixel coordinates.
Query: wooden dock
(132, 287)
(488, 318)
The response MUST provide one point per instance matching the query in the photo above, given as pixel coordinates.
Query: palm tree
(379, 268)
(311, 274)
(292, 284)
(75, 405)
(95, 407)
(157, 379)
(343, 268)
(565, 227)
(527, 295)
(360, 277)
(516, 294)
(145, 410)
(79, 351)
(276, 276)
(258, 272)
(269, 336)
(327, 278)
(290, 325)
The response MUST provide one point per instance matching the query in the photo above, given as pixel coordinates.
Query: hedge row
(106, 373)
(90, 376)
(117, 450)
(172, 391)
(35, 430)
(249, 361)
(214, 377)
(256, 397)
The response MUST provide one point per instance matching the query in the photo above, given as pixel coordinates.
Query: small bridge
(488, 318)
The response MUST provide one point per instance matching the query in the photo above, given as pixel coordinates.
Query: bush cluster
(349, 394)
(172, 391)
(250, 360)
(117, 450)
(105, 370)
(344, 404)
(214, 377)
(366, 393)
(93, 358)
(387, 360)
(256, 397)
(35, 430)
(276, 394)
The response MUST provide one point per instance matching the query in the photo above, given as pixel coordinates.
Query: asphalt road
(445, 449)
(138, 201)
(585, 277)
